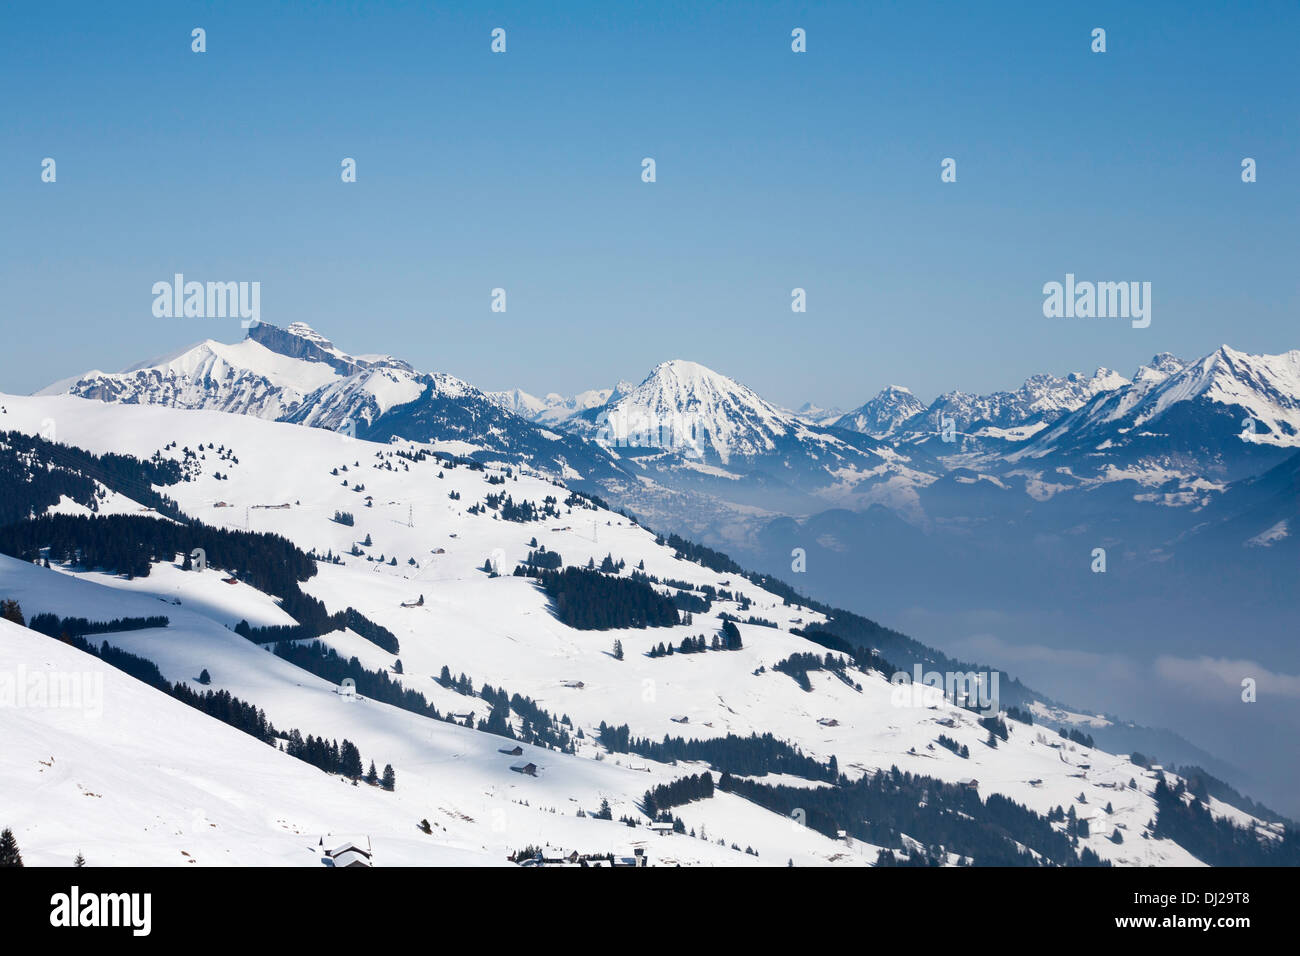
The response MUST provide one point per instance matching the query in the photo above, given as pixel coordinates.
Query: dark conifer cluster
(127, 544)
(1217, 841)
(961, 750)
(35, 473)
(522, 511)
(53, 626)
(540, 559)
(589, 600)
(323, 661)
(881, 807)
(1084, 740)
(997, 727)
(682, 790)
(315, 621)
(798, 665)
(751, 756)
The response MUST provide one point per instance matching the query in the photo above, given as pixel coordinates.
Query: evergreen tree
(349, 760)
(389, 780)
(80, 860)
(10, 611)
(9, 855)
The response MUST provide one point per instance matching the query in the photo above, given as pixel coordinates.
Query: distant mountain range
(692, 448)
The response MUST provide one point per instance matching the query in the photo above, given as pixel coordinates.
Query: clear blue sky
(775, 170)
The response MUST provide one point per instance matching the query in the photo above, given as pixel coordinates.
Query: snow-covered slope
(498, 630)
(98, 763)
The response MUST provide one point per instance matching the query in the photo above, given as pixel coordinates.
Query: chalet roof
(350, 845)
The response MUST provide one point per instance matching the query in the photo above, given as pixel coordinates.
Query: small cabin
(529, 768)
(349, 853)
(514, 751)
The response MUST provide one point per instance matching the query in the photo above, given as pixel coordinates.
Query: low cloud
(1212, 675)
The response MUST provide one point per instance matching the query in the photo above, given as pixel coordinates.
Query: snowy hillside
(412, 561)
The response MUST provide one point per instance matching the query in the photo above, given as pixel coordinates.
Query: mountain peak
(881, 416)
(682, 384)
(305, 331)
(684, 396)
(687, 372)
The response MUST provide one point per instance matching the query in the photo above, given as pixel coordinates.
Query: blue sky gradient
(775, 170)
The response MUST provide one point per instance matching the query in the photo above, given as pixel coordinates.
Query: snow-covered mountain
(158, 782)
(684, 404)
(297, 375)
(814, 414)
(1226, 416)
(711, 453)
(273, 373)
(998, 416)
(556, 409)
(881, 417)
